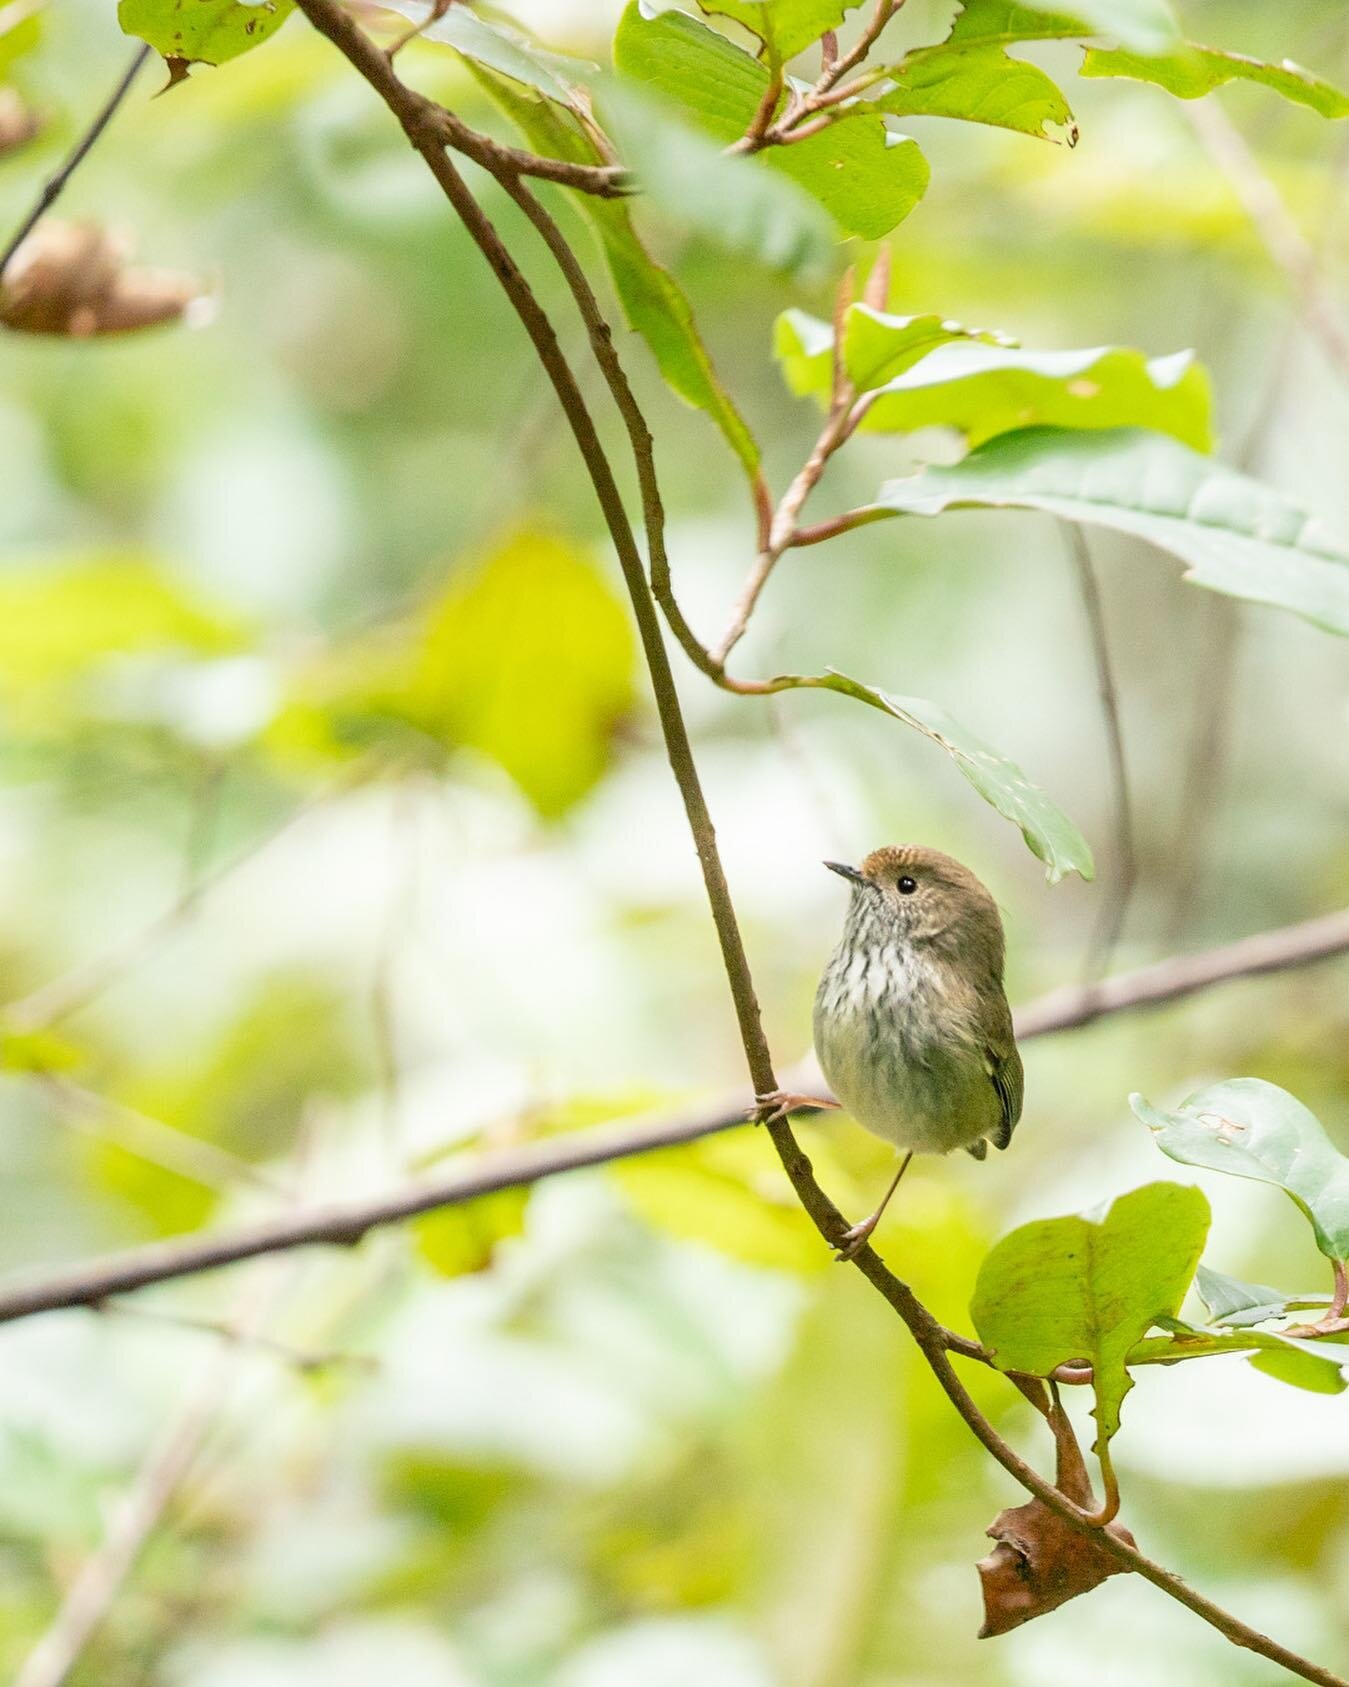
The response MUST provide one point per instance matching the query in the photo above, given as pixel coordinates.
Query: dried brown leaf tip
(71, 279)
(1040, 1561)
(19, 123)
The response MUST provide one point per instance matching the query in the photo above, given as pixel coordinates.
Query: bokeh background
(336, 841)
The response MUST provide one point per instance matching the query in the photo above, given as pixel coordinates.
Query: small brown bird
(912, 1027)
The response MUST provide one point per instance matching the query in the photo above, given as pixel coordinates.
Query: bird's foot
(777, 1104)
(855, 1240)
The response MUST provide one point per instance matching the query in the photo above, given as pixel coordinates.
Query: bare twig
(54, 186)
(1115, 907)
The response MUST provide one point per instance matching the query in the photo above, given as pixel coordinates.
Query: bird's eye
(906, 886)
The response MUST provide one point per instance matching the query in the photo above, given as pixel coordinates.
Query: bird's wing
(1003, 1064)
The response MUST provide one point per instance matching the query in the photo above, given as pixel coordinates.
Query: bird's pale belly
(881, 1061)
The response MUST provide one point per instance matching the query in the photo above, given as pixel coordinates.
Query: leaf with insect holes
(1253, 1129)
(1088, 1287)
(865, 177)
(1047, 830)
(1189, 72)
(1237, 536)
(203, 31)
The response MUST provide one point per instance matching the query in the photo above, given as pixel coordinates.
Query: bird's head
(921, 896)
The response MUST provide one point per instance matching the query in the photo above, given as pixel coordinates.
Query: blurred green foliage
(319, 586)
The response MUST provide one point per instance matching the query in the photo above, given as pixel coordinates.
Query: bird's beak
(846, 872)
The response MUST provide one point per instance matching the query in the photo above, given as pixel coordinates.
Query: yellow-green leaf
(528, 657)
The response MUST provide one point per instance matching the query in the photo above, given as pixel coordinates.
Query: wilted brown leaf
(71, 279)
(1041, 1561)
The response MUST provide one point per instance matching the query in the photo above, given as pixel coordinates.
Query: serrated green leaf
(876, 347)
(1237, 536)
(1253, 1129)
(1088, 1288)
(1048, 831)
(203, 31)
(653, 302)
(790, 26)
(730, 202)
(455, 1241)
(1145, 26)
(867, 179)
(529, 659)
(1190, 71)
(1230, 1301)
(978, 83)
(499, 48)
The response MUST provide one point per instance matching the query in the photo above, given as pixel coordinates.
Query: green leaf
(652, 300)
(1088, 1288)
(978, 83)
(1189, 72)
(1317, 1373)
(1237, 536)
(499, 48)
(455, 1241)
(1048, 831)
(722, 1191)
(1230, 1301)
(26, 1050)
(983, 391)
(1146, 26)
(788, 26)
(202, 31)
(63, 623)
(867, 179)
(1314, 1364)
(529, 659)
(20, 31)
(1253, 1129)
(876, 347)
(731, 202)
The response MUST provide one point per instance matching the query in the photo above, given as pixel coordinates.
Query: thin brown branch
(1115, 907)
(340, 1224)
(55, 185)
